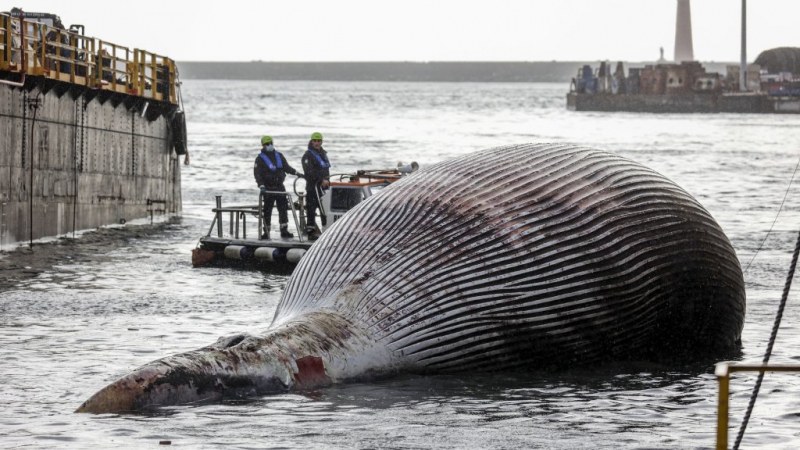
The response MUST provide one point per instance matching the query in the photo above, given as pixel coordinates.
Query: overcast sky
(427, 30)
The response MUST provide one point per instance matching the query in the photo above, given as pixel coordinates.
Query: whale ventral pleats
(460, 265)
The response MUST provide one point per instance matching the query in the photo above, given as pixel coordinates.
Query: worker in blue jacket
(317, 169)
(270, 171)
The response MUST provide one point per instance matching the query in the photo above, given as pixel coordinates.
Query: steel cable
(787, 286)
(780, 208)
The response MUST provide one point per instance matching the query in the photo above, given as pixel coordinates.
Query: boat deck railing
(237, 217)
(723, 372)
(35, 49)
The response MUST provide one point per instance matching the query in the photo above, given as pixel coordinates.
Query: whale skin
(536, 255)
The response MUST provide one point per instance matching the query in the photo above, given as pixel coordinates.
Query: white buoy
(234, 251)
(294, 255)
(267, 253)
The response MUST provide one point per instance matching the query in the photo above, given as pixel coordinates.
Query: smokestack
(743, 63)
(683, 33)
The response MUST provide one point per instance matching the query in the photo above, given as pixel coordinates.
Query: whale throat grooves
(529, 255)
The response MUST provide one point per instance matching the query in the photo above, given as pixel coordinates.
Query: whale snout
(292, 356)
(180, 381)
(129, 393)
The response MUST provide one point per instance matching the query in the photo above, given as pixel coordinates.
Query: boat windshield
(343, 199)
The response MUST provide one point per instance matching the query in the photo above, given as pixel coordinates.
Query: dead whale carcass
(511, 257)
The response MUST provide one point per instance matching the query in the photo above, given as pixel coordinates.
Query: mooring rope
(771, 343)
(785, 194)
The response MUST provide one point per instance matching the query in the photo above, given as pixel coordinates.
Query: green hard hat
(266, 140)
(316, 135)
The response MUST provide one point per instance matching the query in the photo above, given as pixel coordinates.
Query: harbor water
(129, 295)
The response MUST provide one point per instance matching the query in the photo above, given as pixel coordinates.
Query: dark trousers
(312, 203)
(283, 206)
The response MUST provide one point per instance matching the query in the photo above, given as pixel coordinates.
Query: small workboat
(235, 242)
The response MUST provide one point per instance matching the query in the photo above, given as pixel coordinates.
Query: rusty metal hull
(522, 256)
(81, 159)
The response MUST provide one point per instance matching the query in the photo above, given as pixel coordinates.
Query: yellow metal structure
(723, 372)
(33, 48)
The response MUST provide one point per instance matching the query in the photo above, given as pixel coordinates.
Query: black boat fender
(178, 126)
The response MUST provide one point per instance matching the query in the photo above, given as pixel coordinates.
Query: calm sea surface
(88, 320)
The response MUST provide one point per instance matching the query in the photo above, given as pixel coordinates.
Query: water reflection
(126, 296)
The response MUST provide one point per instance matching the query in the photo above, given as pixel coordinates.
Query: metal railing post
(260, 215)
(5, 57)
(173, 94)
(723, 377)
(133, 82)
(302, 207)
(219, 216)
(23, 57)
(294, 216)
(97, 77)
(153, 87)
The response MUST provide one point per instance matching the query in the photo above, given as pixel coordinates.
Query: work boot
(285, 231)
(265, 236)
(312, 233)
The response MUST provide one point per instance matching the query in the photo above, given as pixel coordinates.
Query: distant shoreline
(436, 71)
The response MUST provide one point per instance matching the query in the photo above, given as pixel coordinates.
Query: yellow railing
(5, 42)
(723, 372)
(33, 48)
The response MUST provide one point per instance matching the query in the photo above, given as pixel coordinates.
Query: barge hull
(82, 158)
(682, 103)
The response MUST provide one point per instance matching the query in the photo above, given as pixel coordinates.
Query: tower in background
(683, 33)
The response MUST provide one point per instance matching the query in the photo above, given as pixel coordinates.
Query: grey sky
(426, 30)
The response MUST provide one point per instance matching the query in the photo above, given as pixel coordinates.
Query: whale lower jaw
(307, 352)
